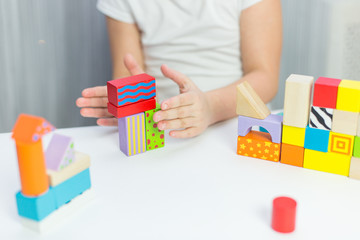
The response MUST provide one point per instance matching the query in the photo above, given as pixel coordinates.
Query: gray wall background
(51, 50)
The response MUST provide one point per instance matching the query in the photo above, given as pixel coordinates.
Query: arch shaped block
(273, 124)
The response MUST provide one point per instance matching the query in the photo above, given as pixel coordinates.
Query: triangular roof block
(30, 129)
(60, 152)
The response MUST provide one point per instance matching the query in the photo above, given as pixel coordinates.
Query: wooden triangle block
(248, 103)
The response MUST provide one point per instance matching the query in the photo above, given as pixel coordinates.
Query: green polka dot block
(155, 138)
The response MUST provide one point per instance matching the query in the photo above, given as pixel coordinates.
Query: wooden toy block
(341, 144)
(155, 138)
(293, 135)
(348, 96)
(327, 162)
(355, 168)
(131, 109)
(258, 145)
(60, 152)
(297, 100)
(131, 89)
(358, 127)
(248, 103)
(321, 118)
(81, 163)
(132, 137)
(273, 124)
(345, 122)
(356, 150)
(292, 155)
(36, 208)
(317, 139)
(69, 189)
(283, 214)
(325, 92)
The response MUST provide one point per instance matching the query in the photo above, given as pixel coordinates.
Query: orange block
(258, 145)
(292, 155)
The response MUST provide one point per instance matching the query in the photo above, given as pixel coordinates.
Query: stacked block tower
(322, 134)
(132, 100)
(48, 180)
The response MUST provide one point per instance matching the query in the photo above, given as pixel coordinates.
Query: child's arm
(194, 110)
(124, 38)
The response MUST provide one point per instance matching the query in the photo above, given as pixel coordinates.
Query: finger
(92, 102)
(107, 121)
(95, 112)
(180, 79)
(185, 133)
(177, 123)
(100, 91)
(183, 99)
(132, 66)
(174, 113)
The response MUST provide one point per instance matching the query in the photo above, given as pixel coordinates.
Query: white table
(192, 189)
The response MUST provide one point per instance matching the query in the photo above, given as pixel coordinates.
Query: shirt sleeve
(117, 9)
(247, 3)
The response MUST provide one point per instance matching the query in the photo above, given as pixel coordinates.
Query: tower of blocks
(49, 180)
(322, 135)
(132, 101)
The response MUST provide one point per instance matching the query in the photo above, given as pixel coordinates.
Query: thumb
(132, 66)
(184, 83)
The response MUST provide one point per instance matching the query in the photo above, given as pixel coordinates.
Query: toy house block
(355, 168)
(325, 92)
(316, 139)
(356, 150)
(258, 145)
(321, 118)
(81, 163)
(297, 100)
(36, 208)
(345, 122)
(327, 162)
(248, 103)
(131, 109)
(60, 152)
(155, 138)
(292, 155)
(341, 144)
(132, 135)
(131, 89)
(272, 124)
(348, 96)
(71, 188)
(293, 135)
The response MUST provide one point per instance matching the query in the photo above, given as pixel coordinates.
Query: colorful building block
(284, 214)
(356, 150)
(272, 124)
(292, 155)
(296, 109)
(132, 135)
(81, 163)
(345, 122)
(60, 152)
(327, 162)
(321, 118)
(131, 89)
(348, 96)
(316, 139)
(341, 144)
(131, 109)
(248, 103)
(293, 135)
(355, 168)
(358, 127)
(258, 145)
(325, 92)
(155, 138)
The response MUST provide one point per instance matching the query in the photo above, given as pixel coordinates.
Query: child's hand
(190, 111)
(93, 102)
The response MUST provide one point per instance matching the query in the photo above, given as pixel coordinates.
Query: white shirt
(200, 38)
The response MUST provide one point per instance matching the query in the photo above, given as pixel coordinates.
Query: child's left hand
(190, 112)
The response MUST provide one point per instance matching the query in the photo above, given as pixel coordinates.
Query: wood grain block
(292, 155)
(293, 135)
(325, 92)
(345, 122)
(341, 144)
(355, 168)
(348, 96)
(297, 100)
(248, 103)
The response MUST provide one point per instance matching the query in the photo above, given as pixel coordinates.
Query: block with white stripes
(321, 118)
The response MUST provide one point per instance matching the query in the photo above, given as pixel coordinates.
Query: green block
(155, 138)
(356, 151)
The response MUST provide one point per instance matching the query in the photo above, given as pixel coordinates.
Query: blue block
(316, 139)
(69, 189)
(36, 208)
(261, 129)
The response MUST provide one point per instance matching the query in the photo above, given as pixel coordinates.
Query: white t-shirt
(200, 38)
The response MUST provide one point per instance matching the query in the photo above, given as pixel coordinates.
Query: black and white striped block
(321, 118)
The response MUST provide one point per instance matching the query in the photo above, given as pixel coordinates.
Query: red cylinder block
(284, 214)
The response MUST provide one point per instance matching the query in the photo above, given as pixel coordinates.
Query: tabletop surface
(195, 188)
